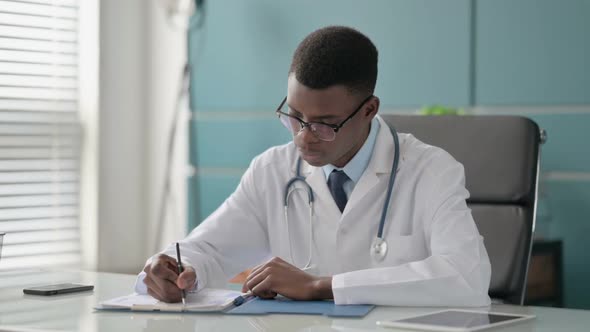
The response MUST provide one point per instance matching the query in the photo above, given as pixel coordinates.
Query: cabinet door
(532, 52)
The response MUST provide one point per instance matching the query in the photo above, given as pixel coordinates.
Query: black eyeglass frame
(335, 127)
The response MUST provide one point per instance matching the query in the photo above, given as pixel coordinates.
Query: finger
(271, 262)
(168, 293)
(155, 287)
(187, 279)
(167, 288)
(164, 287)
(154, 293)
(277, 260)
(264, 289)
(262, 275)
(163, 268)
(255, 271)
(165, 259)
(163, 297)
(149, 282)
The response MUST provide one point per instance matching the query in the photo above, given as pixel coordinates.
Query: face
(332, 106)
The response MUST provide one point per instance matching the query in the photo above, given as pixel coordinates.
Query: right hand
(163, 281)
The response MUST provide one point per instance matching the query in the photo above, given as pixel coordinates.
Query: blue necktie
(335, 183)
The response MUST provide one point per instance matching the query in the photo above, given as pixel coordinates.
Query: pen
(180, 269)
(242, 298)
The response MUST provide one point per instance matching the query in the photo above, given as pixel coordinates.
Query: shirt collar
(357, 165)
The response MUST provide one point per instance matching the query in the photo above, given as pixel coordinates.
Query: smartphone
(57, 289)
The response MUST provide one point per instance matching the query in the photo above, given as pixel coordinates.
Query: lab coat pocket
(403, 249)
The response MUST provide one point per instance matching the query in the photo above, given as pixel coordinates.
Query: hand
(279, 277)
(164, 283)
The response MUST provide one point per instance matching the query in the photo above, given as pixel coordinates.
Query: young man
(326, 248)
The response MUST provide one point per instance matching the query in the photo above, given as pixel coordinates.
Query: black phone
(57, 289)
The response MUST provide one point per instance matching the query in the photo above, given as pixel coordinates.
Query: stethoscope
(378, 248)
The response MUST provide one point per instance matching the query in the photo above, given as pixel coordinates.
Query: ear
(372, 107)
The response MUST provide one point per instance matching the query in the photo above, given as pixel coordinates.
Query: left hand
(279, 277)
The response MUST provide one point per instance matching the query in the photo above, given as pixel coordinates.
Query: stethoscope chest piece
(379, 249)
(379, 246)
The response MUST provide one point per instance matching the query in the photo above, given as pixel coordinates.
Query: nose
(305, 135)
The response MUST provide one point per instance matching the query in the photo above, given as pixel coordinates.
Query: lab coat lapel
(377, 170)
(316, 178)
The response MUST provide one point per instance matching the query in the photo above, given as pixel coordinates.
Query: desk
(75, 312)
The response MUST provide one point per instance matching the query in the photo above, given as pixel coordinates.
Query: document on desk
(207, 300)
(226, 301)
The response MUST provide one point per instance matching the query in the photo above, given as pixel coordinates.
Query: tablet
(456, 320)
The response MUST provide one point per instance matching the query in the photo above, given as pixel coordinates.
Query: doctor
(333, 232)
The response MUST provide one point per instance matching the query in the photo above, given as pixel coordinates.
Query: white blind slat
(37, 45)
(38, 188)
(37, 224)
(38, 105)
(38, 21)
(38, 177)
(38, 212)
(38, 153)
(40, 134)
(42, 248)
(38, 69)
(37, 57)
(39, 117)
(41, 236)
(53, 260)
(38, 81)
(38, 165)
(10, 31)
(38, 93)
(25, 8)
(37, 200)
(37, 141)
(19, 129)
(67, 3)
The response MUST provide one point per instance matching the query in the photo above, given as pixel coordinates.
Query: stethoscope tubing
(297, 178)
(391, 184)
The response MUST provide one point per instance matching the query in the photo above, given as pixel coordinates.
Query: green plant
(441, 110)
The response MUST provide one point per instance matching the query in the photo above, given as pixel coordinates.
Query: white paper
(208, 299)
(129, 300)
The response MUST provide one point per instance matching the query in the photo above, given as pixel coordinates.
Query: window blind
(40, 134)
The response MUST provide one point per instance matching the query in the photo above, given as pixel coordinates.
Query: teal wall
(532, 52)
(502, 54)
(537, 53)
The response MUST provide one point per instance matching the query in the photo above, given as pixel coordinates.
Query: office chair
(501, 156)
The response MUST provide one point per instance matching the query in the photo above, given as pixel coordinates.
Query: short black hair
(336, 55)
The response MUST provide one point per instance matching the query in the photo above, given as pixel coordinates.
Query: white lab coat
(436, 255)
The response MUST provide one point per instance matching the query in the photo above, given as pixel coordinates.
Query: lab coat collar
(379, 165)
(381, 158)
(383, 152)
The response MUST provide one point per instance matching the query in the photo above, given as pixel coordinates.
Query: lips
(309, 152)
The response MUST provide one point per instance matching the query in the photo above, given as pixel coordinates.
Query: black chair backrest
(501, 159)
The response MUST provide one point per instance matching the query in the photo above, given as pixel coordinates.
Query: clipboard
(225, 302)
(281, 305)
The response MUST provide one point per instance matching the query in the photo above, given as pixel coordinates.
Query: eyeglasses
(323, 131)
